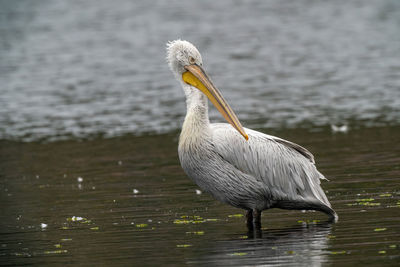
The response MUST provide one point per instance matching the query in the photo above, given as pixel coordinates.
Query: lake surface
(90, 118)
(139, 208)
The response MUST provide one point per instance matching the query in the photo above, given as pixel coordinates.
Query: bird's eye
(192, 60)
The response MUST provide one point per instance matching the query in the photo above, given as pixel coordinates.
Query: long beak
(197, 77)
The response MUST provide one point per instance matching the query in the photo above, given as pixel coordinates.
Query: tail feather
(303, 205)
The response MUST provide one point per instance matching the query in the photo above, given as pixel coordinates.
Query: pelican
(239, 166)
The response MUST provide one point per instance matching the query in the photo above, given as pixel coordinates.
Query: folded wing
(286, 169)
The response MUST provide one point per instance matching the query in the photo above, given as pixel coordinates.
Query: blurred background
(90, 116)
(77, 69)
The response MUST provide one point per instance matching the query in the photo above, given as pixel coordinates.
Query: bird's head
(186, 63)
(180, 54)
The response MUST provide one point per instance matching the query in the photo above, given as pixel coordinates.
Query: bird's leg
(254, 223)
(249, 219)
(256, 218)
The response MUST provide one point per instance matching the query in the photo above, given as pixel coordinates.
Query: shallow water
(166, 222)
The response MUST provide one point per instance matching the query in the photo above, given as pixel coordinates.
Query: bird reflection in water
(304, 245)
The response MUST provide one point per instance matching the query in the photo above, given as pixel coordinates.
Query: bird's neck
(196, 126)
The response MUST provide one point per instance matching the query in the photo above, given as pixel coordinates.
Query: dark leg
(257, 219)
(254, 223)
(249, 219)
(253, 219)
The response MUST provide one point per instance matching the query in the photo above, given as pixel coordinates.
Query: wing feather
(286, 169)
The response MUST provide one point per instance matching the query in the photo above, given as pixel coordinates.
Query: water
(90, 118)
(87, 68)
(166, 222)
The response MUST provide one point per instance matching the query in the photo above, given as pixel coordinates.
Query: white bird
(239, 166)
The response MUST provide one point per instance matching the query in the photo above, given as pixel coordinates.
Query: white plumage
(256, 174)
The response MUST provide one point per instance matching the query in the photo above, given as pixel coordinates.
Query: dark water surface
(165, 222)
